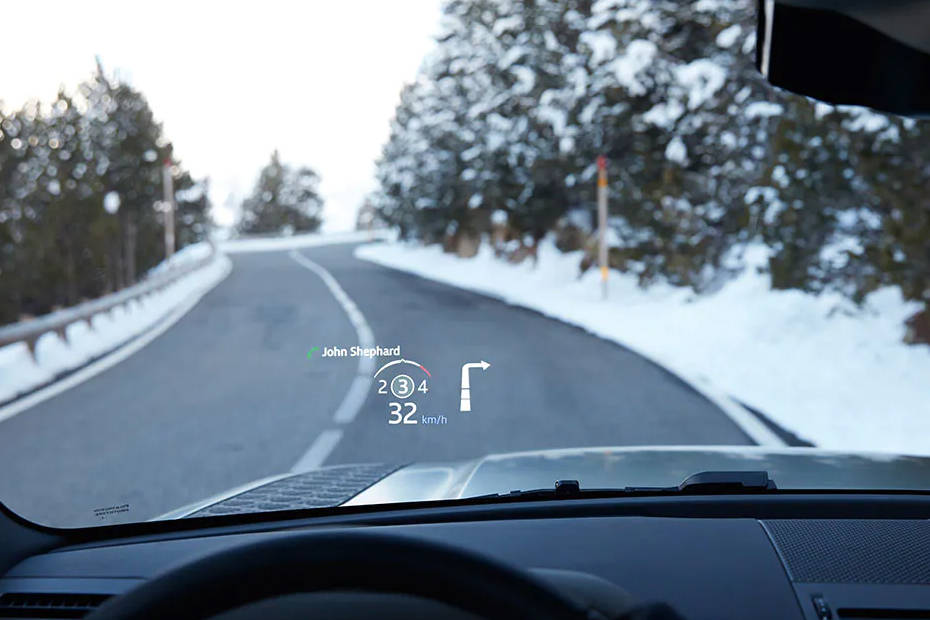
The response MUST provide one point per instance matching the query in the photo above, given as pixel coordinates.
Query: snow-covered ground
(185, 256)
(276, 244)
(834, 374)
(20, 372)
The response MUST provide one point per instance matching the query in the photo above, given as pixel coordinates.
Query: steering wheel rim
(326, 561)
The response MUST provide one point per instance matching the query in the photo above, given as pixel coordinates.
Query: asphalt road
(227, 394)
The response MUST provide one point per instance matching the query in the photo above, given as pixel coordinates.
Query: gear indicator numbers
(403, 381)
(402, 387)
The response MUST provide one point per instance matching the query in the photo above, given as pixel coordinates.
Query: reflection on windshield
(578, 224)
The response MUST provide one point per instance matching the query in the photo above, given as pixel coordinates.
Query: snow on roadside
(276, 244)
(186, 255)
(20, 373)
(832, 373)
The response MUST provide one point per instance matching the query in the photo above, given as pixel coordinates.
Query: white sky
(231, 81)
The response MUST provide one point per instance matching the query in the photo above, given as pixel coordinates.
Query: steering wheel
(327, 561)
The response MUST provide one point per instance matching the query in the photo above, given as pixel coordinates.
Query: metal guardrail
(30, 330)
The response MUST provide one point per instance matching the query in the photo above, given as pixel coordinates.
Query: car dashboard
(709, 567)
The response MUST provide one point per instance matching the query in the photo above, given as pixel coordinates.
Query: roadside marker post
(168, 188)
(602, 221)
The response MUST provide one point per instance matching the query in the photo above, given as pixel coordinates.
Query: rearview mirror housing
(873, 53)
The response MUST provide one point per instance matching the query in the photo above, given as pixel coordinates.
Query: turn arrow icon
(465, 403)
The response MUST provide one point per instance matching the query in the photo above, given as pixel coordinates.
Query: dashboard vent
(42, 605)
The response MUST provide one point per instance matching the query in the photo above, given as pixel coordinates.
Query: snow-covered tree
(508, 114)
(60, 164)
(285, 200)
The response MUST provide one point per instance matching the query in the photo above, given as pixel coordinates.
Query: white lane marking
(353, 401)
(739, 415)
(358, 391)
(319, 450)
(355, 397)
(111, 359)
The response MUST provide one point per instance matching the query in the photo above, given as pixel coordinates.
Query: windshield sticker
(103, 514)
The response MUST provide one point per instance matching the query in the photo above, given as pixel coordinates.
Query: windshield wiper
(701, 483)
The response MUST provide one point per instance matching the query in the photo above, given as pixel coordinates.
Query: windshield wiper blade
(701, 483)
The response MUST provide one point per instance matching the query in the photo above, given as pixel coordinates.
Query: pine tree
(58, 245)
(129, 140)
(285, 200)
(507, 116)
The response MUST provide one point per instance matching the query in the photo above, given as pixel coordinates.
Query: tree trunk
(918, 328)
(114, 268)
(71, 284)
(129, 233)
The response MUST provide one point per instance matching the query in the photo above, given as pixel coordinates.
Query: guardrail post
(31, 345)
(29, 331)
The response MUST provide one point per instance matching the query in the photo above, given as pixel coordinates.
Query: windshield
(376, 234)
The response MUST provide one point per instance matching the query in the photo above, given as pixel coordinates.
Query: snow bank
(276, 244)
(186, 255)
(832, 373)
(20, 372)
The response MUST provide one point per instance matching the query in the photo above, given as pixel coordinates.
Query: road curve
(227, 395)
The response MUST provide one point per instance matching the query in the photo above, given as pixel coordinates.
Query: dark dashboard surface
(704, 567)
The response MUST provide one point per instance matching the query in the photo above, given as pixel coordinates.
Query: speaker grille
(853, 550)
